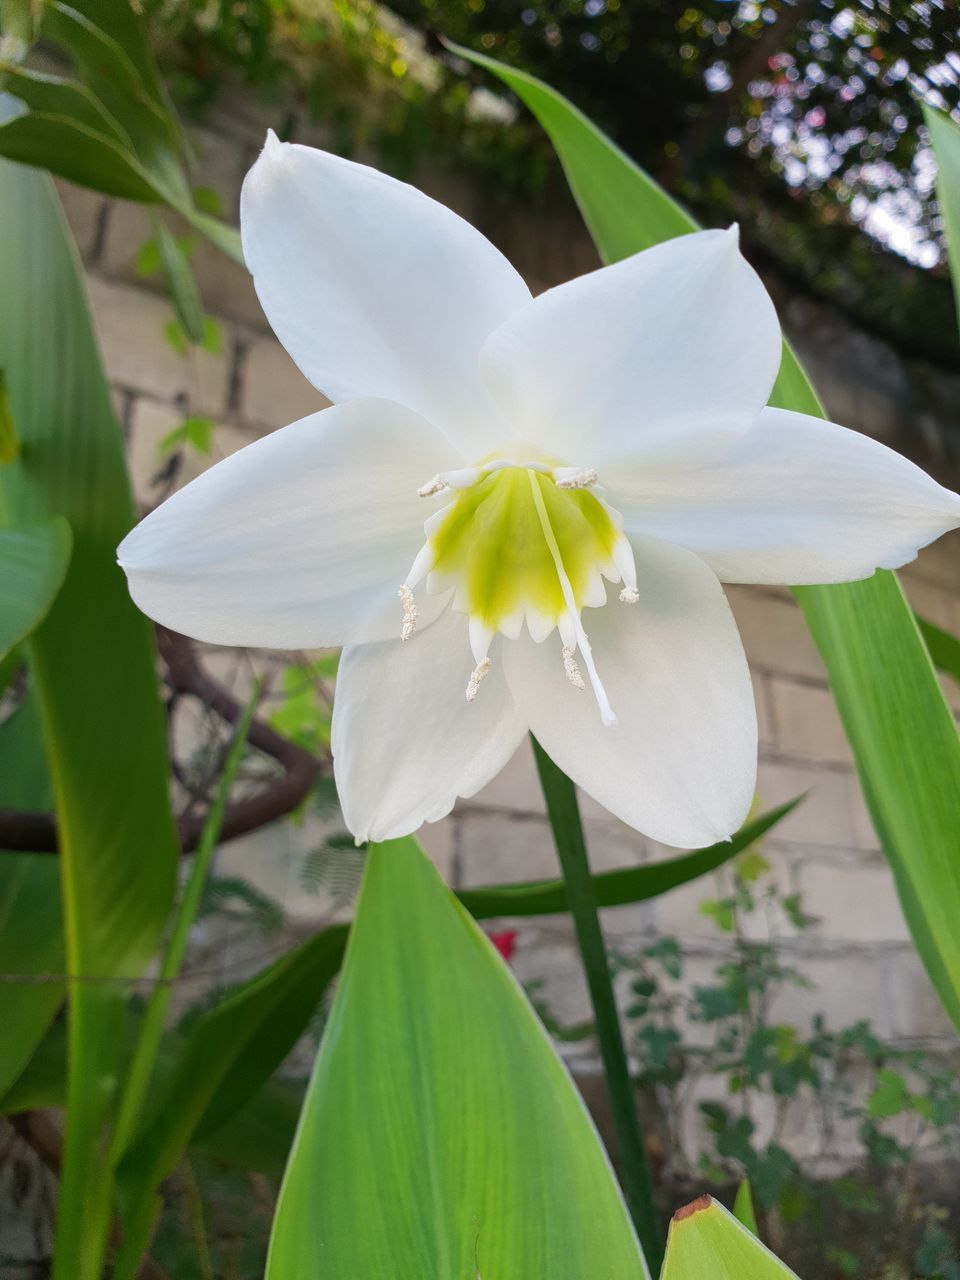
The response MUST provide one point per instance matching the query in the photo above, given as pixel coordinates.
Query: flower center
(522, 542)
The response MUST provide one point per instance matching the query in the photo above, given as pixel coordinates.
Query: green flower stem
(564, 814)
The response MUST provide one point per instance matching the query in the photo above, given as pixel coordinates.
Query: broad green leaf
(477, 1156)
(109, 73)
(9, 441)
(53, 95)
(130, 33)
(900, 728)
(708, 1243)
(41, 1085)
(228, 1054)
(31, 927)
(33, 563)
(259, 1136)
(945, 138)
(76, 152)
(944, 648)
(92, 666)
(617, 888)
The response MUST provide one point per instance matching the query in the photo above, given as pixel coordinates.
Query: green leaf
(708, 1243)
(945, 139)
(902, 732)
(76, 152)
(148, 259)
(195, 432)
(227, 1055)
(208, 201)
(180, 281)
(211, 337)
(890, 1095)
(721, 911)
(175, 336)
(743, 1207)
(944, 648)
(618, 888)
(31, 927)
(57, 96)
(33, 563)
(41, 1085)
(9, 441)
(112, 127)
(113, 78)
(477, 1155)
(92, 664)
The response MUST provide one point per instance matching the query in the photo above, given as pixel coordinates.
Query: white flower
(495, 461)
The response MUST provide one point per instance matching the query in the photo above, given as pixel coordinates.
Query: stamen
(476, 675)
(627, 568)
(436, 485)
(409, 612)
(569, 478)
(603, 702)
(571, 667)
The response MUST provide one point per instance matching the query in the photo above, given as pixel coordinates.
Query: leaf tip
(695, 1206)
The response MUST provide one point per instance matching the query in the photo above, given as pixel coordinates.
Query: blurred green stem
(138, 1226)
(152, 1030)
(564, 813)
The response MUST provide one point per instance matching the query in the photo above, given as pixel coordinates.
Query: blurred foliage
(799, 119)
(864, 1111)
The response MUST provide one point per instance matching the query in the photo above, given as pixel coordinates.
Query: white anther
(409, 612)
(476, 675)
(629, 595)
(434, 486)
(571, 667)
(570, 478)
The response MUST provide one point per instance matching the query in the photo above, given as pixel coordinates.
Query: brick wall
(858, 956)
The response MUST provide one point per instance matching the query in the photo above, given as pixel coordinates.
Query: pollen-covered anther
(476, 675)
(629, 595)
(409, 612)
(432, 487)
(566, 478)
(571, 667)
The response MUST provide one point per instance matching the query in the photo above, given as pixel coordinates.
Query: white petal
(680, 764)
(375, 289)
(797, 501)
(666, 356)
(299, 540)
(406, 743)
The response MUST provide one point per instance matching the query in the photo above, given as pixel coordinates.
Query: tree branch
(23, 832)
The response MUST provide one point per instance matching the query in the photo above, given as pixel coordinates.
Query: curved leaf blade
(478, 1156)
(33, 563)
(31, 925)
(92, 664)
(621, 887)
